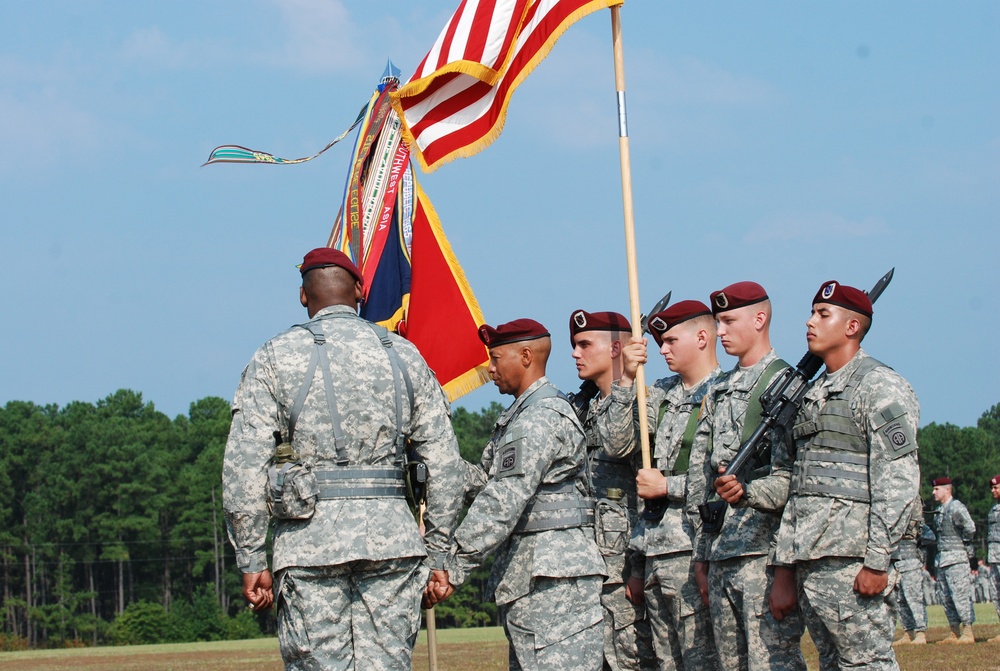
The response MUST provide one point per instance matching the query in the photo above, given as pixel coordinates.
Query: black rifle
(780, 403)
(580, 399)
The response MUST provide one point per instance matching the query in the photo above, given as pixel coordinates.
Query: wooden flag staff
(635, 315)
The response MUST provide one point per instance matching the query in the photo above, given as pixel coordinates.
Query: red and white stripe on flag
(455, 103)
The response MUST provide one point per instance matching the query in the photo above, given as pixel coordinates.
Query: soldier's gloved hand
(701, 578)
(257, 588)
(869, 582)
(634, 591)
(650, 483)
(729, 489)
(784, 596)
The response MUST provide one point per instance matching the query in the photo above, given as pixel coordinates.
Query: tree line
(111, 526)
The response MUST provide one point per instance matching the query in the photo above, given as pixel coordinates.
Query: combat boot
(905, 639)
(995, 639)
(966, 636)
(952, 637)
(919, 638)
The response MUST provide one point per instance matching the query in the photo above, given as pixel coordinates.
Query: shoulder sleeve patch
(894, 431)
(509, 454)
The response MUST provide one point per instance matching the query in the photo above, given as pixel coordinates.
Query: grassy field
(483, 649)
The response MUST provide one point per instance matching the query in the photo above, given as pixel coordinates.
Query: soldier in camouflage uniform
(349, 562)
(854, 484)
(731, 562)
(597, 344)
(955, 529)
(908, 560)
(993, 547)
(532, 510)
(682, 633)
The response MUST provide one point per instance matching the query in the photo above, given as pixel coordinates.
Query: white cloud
(40, 128)
(813, 226)
(150, 45)
(320, 37)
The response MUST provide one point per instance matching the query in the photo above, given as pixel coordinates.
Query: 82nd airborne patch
(898, 436)
(509, 462)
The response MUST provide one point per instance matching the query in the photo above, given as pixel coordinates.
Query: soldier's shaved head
(332, 285)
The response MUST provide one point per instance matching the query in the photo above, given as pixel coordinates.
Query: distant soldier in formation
(731, 562)
(930, 589)
(321, 420)
(596, 338)
(854, 484)
(682, 632)
(981, 577)
(993, 546)
(955, 529)
(533, 512)
(908, 560)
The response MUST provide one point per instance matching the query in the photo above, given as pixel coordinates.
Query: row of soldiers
(327, 413)
(955, 555)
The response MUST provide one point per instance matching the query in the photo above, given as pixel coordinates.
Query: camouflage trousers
(556, 626)
(908, 596)
(328, 617)
(995, 584)
(628, 642)
(682, 632)
(956, 593)
(747, 637)
(850, 631)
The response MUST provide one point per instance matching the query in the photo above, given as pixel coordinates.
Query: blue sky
(787, 143)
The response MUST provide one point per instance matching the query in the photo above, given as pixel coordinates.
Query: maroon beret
(737, 295)
(581, 321)
(515, 331)
(835, 293)
(995, 480)
(937, 482)
(677, 313)
(324, 257)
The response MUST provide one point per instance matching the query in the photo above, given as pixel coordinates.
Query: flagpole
(429, 616)
(633, 272)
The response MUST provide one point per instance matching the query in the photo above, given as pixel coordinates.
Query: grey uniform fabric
(682, 633)
(547, 583)
(908, 560)
(993, 553)
(351, 549)
(747, 636)
(628, 641)
(828, 537)
(955, 528)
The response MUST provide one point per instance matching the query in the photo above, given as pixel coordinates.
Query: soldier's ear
(616, 348)
(527, 356)
(302, 297)
(702, 336)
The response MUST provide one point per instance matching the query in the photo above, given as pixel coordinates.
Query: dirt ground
(469, 650)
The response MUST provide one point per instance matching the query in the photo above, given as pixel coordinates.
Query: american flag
(455, 103)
